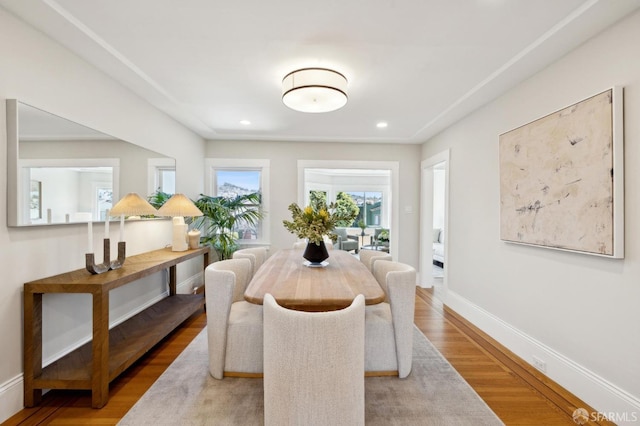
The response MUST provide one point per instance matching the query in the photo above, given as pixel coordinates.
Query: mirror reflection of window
(35, 200)
(104, 197)
(166, 180)
(162, 175)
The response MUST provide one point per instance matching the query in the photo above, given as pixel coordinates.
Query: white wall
(43, 74)
(284, 180)
(576, 312)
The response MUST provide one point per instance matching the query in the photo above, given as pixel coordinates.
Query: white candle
(90, 227)
(194, 238)
(121, 227)
(106, 225)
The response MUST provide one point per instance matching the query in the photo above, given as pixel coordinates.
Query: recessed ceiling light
(381, 125)
(245, 122)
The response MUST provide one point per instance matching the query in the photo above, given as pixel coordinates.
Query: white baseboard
(11, 397)
(612, 402)
(423, 283)
(190, 283)
(12, 391)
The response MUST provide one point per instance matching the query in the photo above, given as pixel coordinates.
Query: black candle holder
(122, 251)
(106, 263)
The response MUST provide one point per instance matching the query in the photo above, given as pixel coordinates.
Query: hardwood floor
(74, 407)
(515, 391)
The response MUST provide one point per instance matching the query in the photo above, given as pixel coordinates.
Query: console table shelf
(95, 364)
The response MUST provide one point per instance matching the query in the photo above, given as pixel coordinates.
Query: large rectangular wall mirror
(62, 172)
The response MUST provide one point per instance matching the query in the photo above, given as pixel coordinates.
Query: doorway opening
(372, 185)
(434, 222)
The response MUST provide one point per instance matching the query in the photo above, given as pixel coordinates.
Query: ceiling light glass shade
(132, 205)
(179, 205)
(314, 90)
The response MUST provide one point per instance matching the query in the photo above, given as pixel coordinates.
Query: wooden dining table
(297, 286)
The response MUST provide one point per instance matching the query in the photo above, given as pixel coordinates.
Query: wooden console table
(94, 365)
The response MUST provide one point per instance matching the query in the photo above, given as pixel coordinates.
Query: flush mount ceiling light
(314, 90)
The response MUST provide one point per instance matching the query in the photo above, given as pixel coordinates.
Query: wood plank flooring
(62, 407)
(515, 391)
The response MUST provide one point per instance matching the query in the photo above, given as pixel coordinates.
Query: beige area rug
(433, 394)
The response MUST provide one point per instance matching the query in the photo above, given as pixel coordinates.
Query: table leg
(32, 346)
(100, 348)
(172, 281)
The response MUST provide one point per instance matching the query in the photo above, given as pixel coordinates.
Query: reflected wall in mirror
(63, 172)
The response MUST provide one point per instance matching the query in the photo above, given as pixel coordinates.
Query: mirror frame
(14, 168)
(12, 162)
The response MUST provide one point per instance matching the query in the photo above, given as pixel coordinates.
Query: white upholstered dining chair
(257, 256)
(313, 365)
(369, 257)
(389, 325)
(234, 326)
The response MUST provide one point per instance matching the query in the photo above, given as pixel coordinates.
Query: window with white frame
(371, 207)
(232, 177)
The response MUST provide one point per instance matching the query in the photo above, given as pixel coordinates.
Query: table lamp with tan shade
(177, 207)
(130, 205)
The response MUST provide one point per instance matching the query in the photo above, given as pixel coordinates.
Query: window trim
(214, 164)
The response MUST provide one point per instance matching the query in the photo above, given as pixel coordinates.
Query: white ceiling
(419, 65)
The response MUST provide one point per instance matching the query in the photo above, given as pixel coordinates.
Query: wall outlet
(539, 364)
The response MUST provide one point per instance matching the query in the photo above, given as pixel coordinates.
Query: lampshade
(179, 205)
(132, 205)
(314, 90)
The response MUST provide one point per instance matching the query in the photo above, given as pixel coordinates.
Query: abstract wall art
(561, 179)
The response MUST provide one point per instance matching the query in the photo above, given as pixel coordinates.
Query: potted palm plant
(223, 216)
